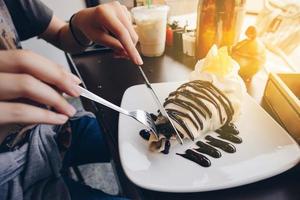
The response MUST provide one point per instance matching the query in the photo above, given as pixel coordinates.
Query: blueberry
(145, 134)
(167, 147)
(153, 116)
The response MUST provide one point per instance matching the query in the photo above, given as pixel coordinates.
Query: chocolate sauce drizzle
(195, 98)
(225, 146)
(230, 137)
(188, 106)
(179, 121)
(196, 157)
(196, 95)
(184, 115)
(167, 147)
(229, 132)
(228, 128)
(207, 149)
(210, 148)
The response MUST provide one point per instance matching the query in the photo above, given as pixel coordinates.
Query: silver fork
(139, 115)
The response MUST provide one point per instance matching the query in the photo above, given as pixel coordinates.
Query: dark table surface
(109, 78)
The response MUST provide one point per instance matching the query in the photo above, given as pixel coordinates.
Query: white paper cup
(188, 43)
(151, 28)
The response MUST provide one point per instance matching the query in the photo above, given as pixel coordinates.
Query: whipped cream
(222, 71)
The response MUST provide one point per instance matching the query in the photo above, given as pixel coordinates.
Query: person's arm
(108, 24)
(59, 34)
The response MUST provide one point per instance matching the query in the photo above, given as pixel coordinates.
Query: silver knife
(161, 108)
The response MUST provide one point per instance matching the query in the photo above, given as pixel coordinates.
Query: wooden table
(109, 78)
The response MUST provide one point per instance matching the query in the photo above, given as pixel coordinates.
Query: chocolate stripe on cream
(181, 114)
(181, 123)
(188, 106)
(191, 96)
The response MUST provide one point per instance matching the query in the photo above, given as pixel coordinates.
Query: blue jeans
(88, 146)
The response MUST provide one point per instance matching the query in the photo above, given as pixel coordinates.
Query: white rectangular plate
(267, 150)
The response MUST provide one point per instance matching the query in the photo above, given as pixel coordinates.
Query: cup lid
(150, 9)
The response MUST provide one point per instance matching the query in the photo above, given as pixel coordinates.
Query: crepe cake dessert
(210, 101)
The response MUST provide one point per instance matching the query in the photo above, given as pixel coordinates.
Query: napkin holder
(281, 100)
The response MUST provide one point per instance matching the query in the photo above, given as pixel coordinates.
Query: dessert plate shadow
(267, 150)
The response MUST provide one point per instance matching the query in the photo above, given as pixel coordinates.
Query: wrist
(77, 34)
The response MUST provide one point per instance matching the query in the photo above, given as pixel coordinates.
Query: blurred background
(183, 11)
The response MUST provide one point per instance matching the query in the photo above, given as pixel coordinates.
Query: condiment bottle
(218, 22)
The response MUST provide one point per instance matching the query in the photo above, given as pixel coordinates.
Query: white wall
(65, 8)
(254, 5)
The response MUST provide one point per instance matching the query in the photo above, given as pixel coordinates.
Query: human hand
(24, 74)
(98, 22)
